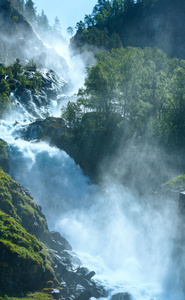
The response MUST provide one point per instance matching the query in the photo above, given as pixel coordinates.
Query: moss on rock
(34, 296)
(4, 156)
(17, 202)
(24, 262)
(176, 184)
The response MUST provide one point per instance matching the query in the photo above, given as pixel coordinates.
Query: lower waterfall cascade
(133, 244)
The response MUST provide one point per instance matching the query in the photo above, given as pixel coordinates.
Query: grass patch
(33, 296)
(14, 202)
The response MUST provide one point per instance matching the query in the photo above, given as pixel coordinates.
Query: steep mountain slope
(18, 40)
(31, 257)
(155, 23)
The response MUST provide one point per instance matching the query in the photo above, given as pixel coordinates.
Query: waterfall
(133, 244)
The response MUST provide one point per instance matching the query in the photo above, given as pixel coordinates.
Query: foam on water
(134, 244)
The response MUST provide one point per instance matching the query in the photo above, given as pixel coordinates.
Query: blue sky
(69, 12)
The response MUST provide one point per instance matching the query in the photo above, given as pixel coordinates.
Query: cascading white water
(133, 244)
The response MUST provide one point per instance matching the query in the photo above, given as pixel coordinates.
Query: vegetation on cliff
(129, 94)
(131, 107)
(16, 77)
(28, 86)
(176, 183)
(24, 261)
(142, 23)
(17, 202)
(4, 156)
(33, 296)
(40, 22)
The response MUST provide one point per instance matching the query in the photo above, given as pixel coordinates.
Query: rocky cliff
(31, 257)
(19, 40)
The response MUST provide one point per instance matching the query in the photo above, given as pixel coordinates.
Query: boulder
(122, 296)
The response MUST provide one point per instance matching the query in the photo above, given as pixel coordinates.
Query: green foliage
(16, 239)
(16, 69)
(18, 4)
(3, 150)
(70, 30)
(5, 104)
(42, 22)
(1, 70)
(4, 156)
(23, 259)
(16, 76)
(4, 87)
(15, 19)
(30, 11)
(129, 93)
(19, 206)
(124, 81)
(133, 21)
(33, 296)
(176, 184)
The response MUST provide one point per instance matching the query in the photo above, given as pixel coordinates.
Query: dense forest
(152, 23)
(133, 100)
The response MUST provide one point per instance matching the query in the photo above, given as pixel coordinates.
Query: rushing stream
(133, 244)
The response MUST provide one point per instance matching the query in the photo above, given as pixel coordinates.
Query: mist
(133, 241)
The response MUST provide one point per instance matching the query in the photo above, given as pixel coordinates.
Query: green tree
(115, 41)
(30, 11)
(71, 114)
(70, 30)
(1, 71)
(16, 68)
(4, 87)
(117, 7)
(57, 26)
(36, 81)
(42, 22)
(5, 104)
(128, 4)
(175, 108)
(88, 20)
(18, 4)
(80, 26)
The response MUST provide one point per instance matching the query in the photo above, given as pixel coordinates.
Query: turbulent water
(133, 244)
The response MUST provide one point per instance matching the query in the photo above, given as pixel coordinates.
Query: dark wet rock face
(182, 202)
(37, 102)
(75, 280)
(122, 296)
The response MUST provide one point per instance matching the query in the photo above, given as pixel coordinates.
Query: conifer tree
(42, 22)
(30, 11)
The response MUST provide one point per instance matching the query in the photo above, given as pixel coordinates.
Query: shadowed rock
(182, 202)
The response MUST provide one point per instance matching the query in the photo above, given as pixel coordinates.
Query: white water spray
(134, 245)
